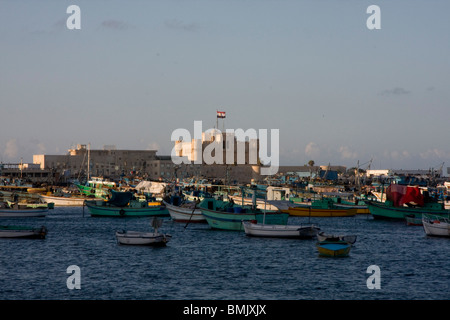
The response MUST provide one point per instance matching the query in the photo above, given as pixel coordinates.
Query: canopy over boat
(400, 195)
(151, 187)
(120, 199)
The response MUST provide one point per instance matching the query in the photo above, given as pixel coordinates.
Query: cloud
(115, 24)
(11, 149)
(312, 150)
(397, 91)
(180, 25)
(434, 153)
(397, 155)
(346, 153)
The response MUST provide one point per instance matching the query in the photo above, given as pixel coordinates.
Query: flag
(221, 114)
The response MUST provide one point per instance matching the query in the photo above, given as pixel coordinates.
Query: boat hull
(333, 249)
(436, 226)
(386, 211)
(228, 216)
(279, 231)
(23, 213)
(64, 201)
(142, 238)
(260, 204)
(180, 214)
(22, 232)
(307, 211)
(359, 209)
(112, 211)
(233, 221)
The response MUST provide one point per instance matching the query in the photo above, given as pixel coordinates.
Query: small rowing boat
(22, 232)
(334, 248)
(139, 238)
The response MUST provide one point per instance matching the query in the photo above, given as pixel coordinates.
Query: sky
(339, 92)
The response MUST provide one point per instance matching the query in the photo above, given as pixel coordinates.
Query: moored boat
(139, 238)
(65, 201)
(22, 232)
(405, 201)
(124, 204)
(320, 208)
(10, 209)
(358, 208)
(333, 248)
(255, 229)
(184, 211)
(97, 187)
(322, 236)
(229, 216)
(387, 210)
(142, 238)
(435, 225)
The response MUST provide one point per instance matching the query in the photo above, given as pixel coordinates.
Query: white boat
(186, 212)
(260, 203)
(65, 201)
(435, 225)
(144, 238)
(252, 228)
(322, 236)
(22, 232)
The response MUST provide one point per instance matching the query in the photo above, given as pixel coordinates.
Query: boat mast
(89, 161)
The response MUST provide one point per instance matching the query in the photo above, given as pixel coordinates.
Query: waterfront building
(107, 162)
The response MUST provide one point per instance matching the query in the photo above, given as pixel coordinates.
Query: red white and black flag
(220, 114)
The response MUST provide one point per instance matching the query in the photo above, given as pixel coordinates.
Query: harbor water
(204, 264)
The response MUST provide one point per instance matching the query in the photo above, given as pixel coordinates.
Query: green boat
(96, 187)
(387, 210)
(405, 201)
(227, 215)
(124, 204)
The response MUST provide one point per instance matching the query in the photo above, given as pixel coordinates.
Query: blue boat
(334, 248)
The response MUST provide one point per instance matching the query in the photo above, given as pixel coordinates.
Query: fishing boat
(435, 225)
(260, 203)
(227, 215)
(139, 238)
(97, 187)
(125, 204)
(333, 248)
(387, 210)
(10, 209)
(347, 200)
(320, 208)
(183, 211)
(194, 195)
(65, 201)
(22, 232)
(255, 229)
(402, 201)
(322, 236)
